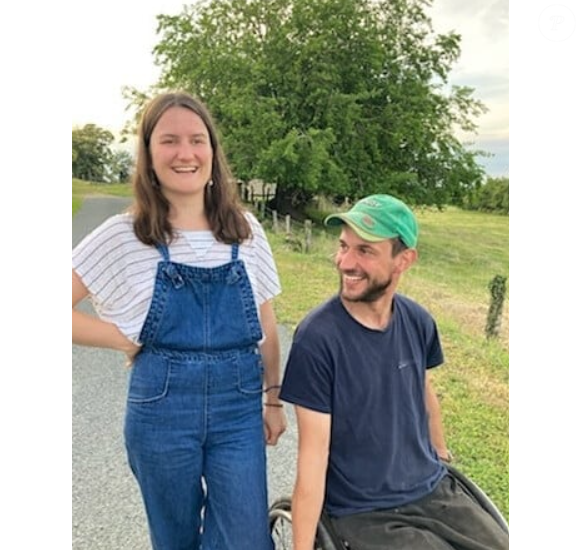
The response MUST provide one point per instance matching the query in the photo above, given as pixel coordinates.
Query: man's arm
(435, 421)
(308, 496)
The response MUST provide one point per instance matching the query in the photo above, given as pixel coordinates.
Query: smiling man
(372, 450)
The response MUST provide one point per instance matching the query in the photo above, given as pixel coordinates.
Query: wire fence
(298, 233)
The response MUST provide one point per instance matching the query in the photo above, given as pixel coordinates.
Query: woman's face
(181, 153)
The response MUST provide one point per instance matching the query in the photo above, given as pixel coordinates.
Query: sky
(104, 62)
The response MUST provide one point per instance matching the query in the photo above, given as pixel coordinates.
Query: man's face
(367, 270)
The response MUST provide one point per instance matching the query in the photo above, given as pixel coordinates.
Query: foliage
(348, 97)
(93, 158)
(121, 166)
(493, 196)
(91, 148)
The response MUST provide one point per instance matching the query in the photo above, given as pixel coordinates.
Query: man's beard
(373, 292)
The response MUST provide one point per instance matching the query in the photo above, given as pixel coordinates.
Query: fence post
(307, 235)
(497, 288)
(275, 221)
(288, 224)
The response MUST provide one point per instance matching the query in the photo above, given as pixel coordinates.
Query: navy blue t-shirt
(372, 382)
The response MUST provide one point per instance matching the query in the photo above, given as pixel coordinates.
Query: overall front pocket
(149, 378)
(250, 373)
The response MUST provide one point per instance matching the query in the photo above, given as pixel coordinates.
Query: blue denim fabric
(193, 427)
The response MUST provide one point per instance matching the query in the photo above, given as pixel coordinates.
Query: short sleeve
(434, 353)
(266, 281)
(308, 379)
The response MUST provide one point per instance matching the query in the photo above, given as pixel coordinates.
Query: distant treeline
(493, 196)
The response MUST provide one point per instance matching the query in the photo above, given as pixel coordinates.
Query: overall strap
(235, 250)
(170, 269)
(164, 251)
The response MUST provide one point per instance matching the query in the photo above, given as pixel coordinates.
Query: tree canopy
(91, 146)
(334, 97)
(93, 158)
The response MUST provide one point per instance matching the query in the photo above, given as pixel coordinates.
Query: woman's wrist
(272, 394)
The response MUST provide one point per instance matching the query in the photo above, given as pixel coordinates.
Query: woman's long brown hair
(151, 209)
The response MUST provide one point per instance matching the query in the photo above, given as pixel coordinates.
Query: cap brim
(335, 220)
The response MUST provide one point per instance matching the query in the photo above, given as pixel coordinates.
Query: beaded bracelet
(276, 387)
(273, 405)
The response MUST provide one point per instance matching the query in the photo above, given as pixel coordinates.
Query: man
(371, 446)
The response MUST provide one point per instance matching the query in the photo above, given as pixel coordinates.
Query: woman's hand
(130, 350)
(275, 423)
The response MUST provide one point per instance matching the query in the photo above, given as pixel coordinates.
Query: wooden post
(307, 235)
(497, 288)
(288, 225)
(275, 221)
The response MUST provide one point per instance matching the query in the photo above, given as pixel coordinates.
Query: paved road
(107, 509)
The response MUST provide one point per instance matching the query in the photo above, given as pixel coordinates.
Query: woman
(182, 284)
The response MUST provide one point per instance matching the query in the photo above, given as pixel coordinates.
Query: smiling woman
(182, 169)
(183, 285)
(181, 155)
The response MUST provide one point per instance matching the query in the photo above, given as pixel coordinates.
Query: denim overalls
(194, 411)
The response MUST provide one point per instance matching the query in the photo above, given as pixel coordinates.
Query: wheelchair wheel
(281, 524)
(281, 529)
(479, 496)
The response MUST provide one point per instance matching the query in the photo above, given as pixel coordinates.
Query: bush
(493, 196)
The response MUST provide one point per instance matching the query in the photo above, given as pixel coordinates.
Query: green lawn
(459, 253)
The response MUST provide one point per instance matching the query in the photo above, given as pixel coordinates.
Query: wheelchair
(280, 517)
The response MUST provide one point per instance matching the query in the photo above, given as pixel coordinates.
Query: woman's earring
(210, 183)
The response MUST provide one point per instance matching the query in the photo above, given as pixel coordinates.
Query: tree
(92, 154)
(492, 196)
(121, 166)
(341, 97)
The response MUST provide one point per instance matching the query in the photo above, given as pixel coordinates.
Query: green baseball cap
(379, 217)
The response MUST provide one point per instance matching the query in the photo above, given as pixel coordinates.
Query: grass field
(459, 253)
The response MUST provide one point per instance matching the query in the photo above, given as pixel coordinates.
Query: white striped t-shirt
(119, 270)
